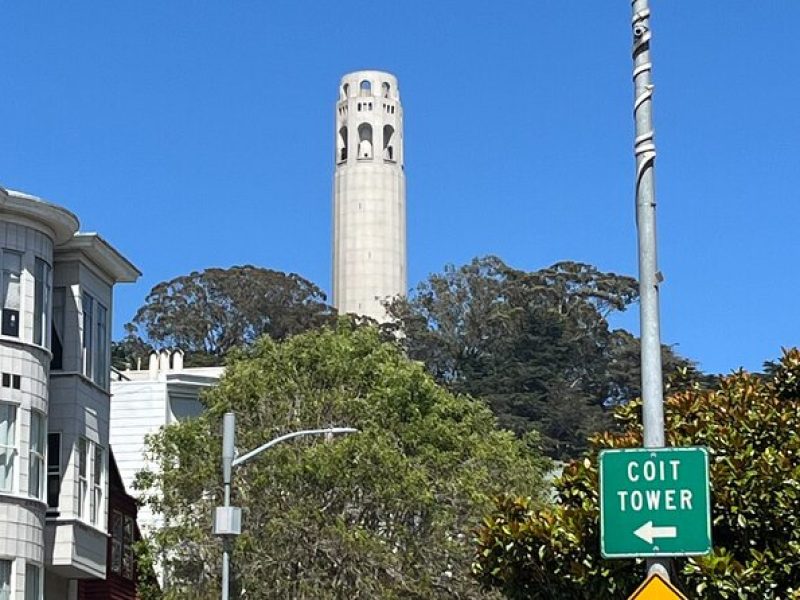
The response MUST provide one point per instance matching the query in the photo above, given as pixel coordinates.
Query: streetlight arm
(330, 430)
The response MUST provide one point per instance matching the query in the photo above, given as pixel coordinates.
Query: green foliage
(385, 513)
(210, 312)
(536, 346)
(750, 425)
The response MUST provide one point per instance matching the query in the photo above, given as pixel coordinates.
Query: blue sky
(198, 134)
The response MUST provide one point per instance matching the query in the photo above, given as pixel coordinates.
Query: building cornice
(101, 254)
(58, 221)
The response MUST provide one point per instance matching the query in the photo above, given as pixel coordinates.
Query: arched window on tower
(366, 88)
(341, 144)
(345, 91)
(364, 141)
(388, 143)
(385, 88)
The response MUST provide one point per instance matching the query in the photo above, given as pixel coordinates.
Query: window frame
(42, 273)
(10, 561)
(5, 283)
(128, 537)
(101, 346)
(116, 529)
(11, 449)
(59, 304)
(82, 480)
(36, 456)
(38, 572)
(87, 334)
(96, 485)
(53, 469)
(95, 340)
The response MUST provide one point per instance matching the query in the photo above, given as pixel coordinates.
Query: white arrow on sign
(648, 532)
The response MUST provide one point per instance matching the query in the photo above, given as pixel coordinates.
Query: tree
(750, 424)
(131, 352)
(385, 513)
(207, 313)
(536, 346)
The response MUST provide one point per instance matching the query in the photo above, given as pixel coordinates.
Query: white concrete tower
(369, 195)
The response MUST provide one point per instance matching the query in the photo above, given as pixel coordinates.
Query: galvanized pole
(228, 443)
(649, 277)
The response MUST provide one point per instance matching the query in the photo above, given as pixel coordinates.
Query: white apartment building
(144, 401)
(56, 291)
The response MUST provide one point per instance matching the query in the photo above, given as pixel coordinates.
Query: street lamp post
(649, 275)
(227, 518)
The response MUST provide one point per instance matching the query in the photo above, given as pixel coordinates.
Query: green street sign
(654, 502)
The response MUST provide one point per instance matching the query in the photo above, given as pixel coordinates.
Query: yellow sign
(656, 588)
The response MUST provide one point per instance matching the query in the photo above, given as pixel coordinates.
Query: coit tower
(369, 195)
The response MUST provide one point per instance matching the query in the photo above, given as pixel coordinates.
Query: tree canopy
(385, 513)
(749, 423)
(209, 312)
(536, 346)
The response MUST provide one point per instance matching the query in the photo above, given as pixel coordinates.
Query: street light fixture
(227, 518)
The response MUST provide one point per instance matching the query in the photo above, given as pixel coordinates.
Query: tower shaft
(369, 195)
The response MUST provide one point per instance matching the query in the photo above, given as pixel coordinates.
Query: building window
(36, 455)
(8, 445)
(53, 469)
(5, 579)
(33, 582)
(41, 303)
(9, 380)
(96, 512)
(83, 475)
(11, 278)
(57, 333)
(95, 341)
(122, 544)
(88, 338)
(127, 547)
(101, 364)
(116, 541)
(90, 480)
